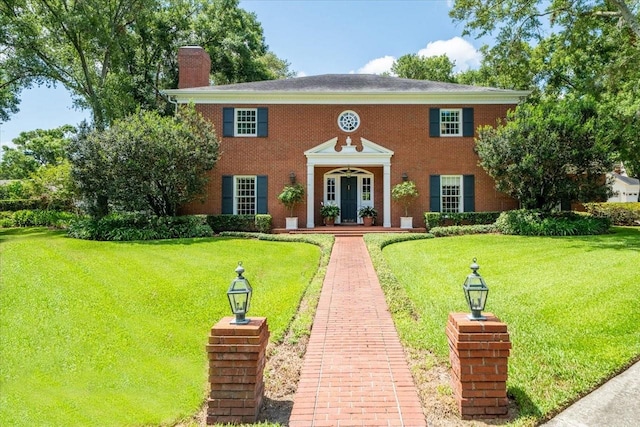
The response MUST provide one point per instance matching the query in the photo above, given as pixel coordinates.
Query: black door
(348, 199)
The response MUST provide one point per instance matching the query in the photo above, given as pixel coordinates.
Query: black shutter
(434, 122)
(228, 117)
(263, 122)
(261, 191)
(434, 193)
(469, 196)
(467, 122)
(227, 194)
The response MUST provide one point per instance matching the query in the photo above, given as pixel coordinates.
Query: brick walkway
(355, 372)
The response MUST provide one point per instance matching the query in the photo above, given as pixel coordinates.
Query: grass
(571, 305)
(105, 333)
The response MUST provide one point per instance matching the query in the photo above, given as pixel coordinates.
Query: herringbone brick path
(355, 372)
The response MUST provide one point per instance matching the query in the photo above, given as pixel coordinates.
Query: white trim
(350, 112)
(205, 96)
(235, 193)
(235, 122)
(460, 121)
(461, 196)
(372, 154)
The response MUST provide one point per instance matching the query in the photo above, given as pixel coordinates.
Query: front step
(348, 230)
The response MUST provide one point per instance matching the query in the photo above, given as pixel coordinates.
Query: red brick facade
(402, 128)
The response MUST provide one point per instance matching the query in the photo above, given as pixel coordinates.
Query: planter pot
(329, 222)
(292, 223)
(367, 221)
(406, 222)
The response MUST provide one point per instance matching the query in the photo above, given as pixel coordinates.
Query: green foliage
(291, 195)
(20, 204)
(548, 153)
(127, 227)
(264, 223)
(566, 301)
(37, 218)
(405, 193)
(145, 162)
(115, 57)
(127, 322)
(439, 219)
(246, 223)
(330, 210)
(619, 213)
(54, 186)
(460, 230)
(525, 222)
(16, 189)
(436, 68)
(367, 211)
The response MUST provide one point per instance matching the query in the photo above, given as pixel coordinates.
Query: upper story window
(348, 121)
(246, 122)
(451, 122)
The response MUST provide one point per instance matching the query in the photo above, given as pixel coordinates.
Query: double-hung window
(245, 195)
(451, 122)
(246, 122)
(451, 193)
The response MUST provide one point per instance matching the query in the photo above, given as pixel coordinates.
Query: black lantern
(476, 291)
(239, 294)
(292, 177)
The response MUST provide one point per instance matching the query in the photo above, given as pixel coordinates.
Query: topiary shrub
(439, 219)
(227, 222)
(264, 223)
(538, 223)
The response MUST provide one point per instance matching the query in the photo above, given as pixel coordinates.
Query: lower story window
(451, 193)
(245, 195)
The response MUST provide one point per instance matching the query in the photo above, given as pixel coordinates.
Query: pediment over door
(327, 154)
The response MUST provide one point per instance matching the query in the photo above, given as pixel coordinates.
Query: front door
(348, 199)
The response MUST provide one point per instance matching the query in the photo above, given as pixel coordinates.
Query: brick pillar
(236, 362)
(479, 352)
(194, 67)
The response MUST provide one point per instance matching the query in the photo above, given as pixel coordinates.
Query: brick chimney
(194, 66)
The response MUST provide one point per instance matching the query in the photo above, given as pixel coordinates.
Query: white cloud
(376, 66)
(301, 74)
(457, 49)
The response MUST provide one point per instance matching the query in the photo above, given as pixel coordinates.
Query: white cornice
(203, 96)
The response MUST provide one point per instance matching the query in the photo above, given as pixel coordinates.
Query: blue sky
(316, 37)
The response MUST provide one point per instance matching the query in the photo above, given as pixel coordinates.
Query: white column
(310, 191)
(387, 195)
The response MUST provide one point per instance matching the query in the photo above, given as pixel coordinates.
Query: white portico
(371, 155)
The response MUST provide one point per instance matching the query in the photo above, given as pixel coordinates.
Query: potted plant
(329, 212)
(291, 196)
(368, 215)
(405, 193)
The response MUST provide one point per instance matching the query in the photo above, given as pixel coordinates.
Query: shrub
(619, 213)
(125, 227)
(37, 218)
(250, 223)
(405, 193)
(439, 219)
(291, 195)
(20, 204)
(459, 230)
(538, 223)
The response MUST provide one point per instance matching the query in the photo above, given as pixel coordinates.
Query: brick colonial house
(348, 138)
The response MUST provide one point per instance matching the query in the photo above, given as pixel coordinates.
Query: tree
(436, 68)
(35, 149)
(548, 153)
(566, 48)
(115, 56)
(145, 162)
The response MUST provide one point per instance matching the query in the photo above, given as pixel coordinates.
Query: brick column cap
(462, 323)
(224, 327)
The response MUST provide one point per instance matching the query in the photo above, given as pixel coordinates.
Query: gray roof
(627, 180)
(351, 83)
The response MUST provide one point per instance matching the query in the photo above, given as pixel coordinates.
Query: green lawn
(571, 305)
(105, 333)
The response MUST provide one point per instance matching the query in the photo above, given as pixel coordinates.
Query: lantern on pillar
(239, 294)
(476, 291)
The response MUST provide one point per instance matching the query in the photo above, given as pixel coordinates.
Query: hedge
(538, 223)
(439, 219)
(247, 223)
(619, 213)
(20, 204)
